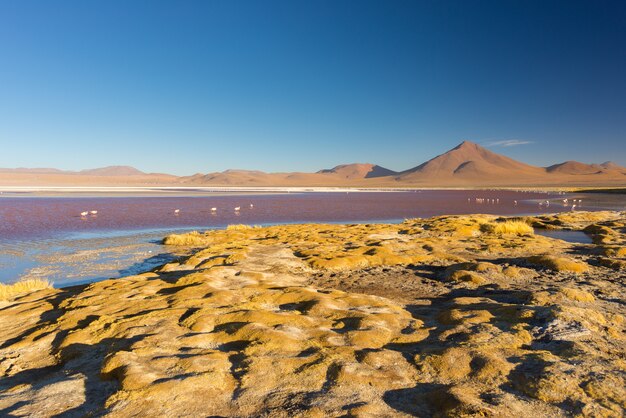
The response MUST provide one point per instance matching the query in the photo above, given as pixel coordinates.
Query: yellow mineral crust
(448, 316)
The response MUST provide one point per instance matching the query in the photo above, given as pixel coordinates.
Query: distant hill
(113, 170)
(32, 170)
(466, 165)
(610, 165)
(359, 171)
(105, 176)
(340, 175)
(575, 167)
(229, 178)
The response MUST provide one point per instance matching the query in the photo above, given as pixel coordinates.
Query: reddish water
(45, 217)
(47, 237)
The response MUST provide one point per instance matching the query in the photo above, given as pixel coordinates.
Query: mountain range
(466, 165)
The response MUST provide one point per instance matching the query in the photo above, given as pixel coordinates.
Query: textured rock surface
(436, 317)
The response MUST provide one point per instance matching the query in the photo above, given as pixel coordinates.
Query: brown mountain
(230, 178)
(610, 165)
(575, 167)
(469, 162)
(466, 165)
(340, 175)
(359, 171)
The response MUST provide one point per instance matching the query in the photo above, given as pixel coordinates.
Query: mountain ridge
(113, 170)
(466, 165)
(359, 170)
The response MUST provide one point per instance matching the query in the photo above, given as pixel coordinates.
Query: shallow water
(577, 237)
(47, 237)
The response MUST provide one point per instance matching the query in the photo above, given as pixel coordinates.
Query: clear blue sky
(199, 86)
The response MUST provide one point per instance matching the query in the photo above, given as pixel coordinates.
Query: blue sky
(187, 87)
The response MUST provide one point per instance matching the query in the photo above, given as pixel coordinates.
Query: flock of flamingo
(237, 209)
(481, 200)
(496, 201)
(575, 202)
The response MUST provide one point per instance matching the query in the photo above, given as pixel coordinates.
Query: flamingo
(573, 206)
(251, 205)
(515, 202)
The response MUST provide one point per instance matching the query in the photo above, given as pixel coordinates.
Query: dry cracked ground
(449, 316)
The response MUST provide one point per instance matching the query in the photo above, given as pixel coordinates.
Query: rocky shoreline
(448, 316)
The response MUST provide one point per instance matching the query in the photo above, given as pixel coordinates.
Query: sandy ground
(449, 316)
